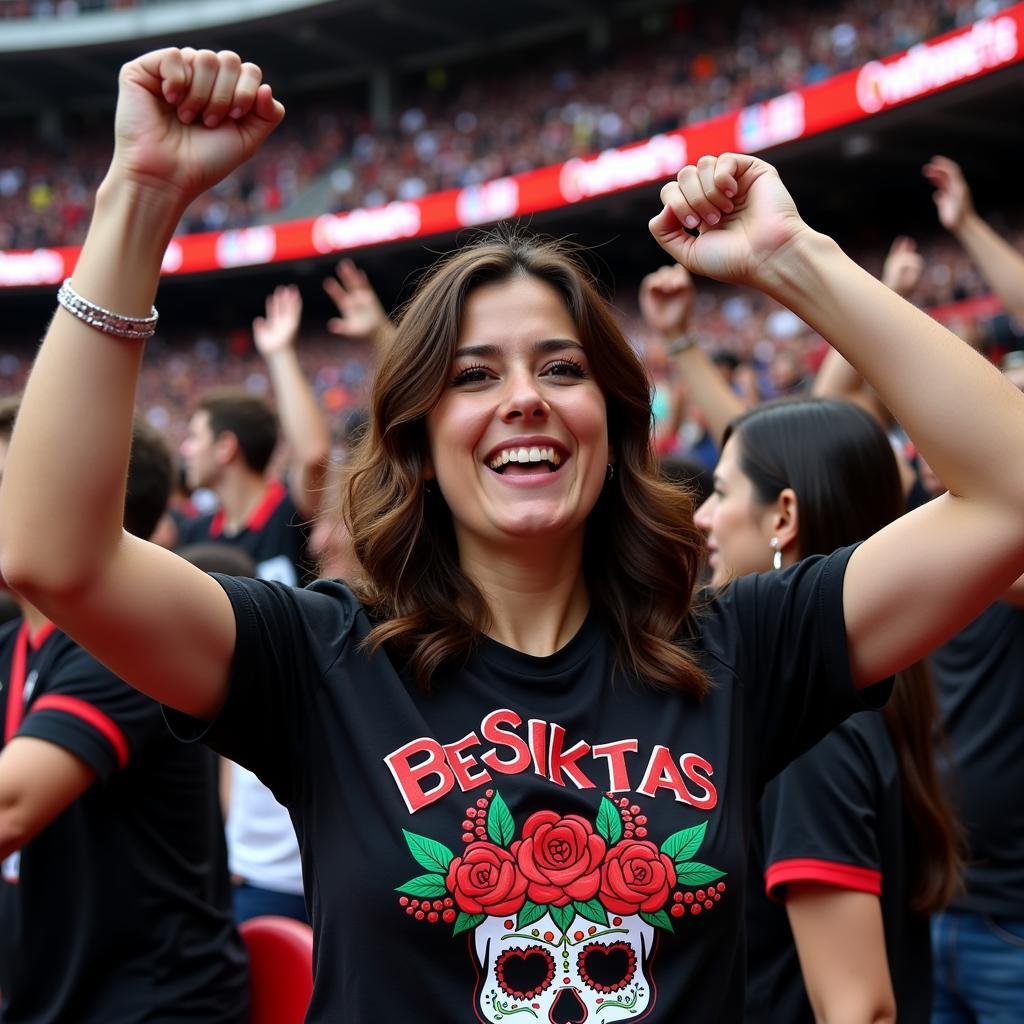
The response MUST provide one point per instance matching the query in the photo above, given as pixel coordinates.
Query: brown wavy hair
(642, 552)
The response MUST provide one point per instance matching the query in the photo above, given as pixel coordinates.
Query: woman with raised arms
(522, 770)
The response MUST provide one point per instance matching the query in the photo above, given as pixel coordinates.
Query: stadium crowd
(464, 126)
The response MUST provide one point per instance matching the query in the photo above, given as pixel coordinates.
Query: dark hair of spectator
(839, 462)
(214, 556)
(248, 417)
(642, 552)
(150, 479)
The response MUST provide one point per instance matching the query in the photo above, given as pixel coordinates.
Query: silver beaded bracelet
(137, 328)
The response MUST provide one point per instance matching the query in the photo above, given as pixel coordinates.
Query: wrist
(791, 271)
(682, 342)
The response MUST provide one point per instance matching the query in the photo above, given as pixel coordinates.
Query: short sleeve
(820, 818)
(90, 712)
(791, 657)
(286, 639)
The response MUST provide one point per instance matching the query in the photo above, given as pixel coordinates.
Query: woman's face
(738, 527)
(519, 439)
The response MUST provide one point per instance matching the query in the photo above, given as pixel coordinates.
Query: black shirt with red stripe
(275, 534)
(537, 838)
(118, 911)
(835, 816)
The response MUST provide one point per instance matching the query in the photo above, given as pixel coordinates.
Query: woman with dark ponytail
(855, 841)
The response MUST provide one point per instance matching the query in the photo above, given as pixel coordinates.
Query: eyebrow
(547, 345)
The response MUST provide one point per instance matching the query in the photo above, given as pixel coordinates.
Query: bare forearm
(1000, 264)
(709, 391)
(836, 378)
(301, 421)
(69, 454)
(953, 403)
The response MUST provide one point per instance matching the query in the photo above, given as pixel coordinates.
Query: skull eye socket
(607, 967)
(525, 973)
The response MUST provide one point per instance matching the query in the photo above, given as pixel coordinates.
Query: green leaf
(683, 845)
(501, 826)
(694, 873)
(465, 922)
(531, 912)
(429, 853)
(563, 917)
(592, 911)
(659, 920)
(429, 887)
(609, 822)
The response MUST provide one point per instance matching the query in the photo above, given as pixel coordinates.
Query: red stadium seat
(280, 969)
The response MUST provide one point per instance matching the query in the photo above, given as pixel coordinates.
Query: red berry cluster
(702, 899)
(431, 911)
(475, 825)
(634, 824)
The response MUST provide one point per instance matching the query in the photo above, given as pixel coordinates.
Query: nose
(523, 400)
(568, 1008)
(702, 517)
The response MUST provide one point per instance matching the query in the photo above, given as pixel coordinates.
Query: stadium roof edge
(146, 22)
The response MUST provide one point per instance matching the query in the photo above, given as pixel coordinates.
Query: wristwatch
(683, 343)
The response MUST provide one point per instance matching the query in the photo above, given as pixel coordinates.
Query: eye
(471, 375)
(565, 367)
(607, 967)
(525, 973)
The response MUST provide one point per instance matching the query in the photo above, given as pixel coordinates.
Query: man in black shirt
(114, 904)
(231, 438)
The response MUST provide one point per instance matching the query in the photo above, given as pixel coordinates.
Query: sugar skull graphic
(564, 917)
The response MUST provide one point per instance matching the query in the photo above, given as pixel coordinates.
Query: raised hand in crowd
(361, 315)
(278, 329)
(1000, 264)
(667, 298)
(903, 266)
(932, 571)
(302, 424)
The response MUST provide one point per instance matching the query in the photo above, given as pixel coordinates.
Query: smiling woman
(508, 347)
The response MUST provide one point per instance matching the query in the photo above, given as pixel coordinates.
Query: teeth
(524, 455)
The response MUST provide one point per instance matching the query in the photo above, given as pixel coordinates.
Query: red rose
(635, 876)
(485, 881)
(561, 857)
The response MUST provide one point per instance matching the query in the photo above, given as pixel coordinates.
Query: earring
(610, 472)
(777, 556)
(428, 490)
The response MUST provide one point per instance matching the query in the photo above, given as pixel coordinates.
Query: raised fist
(952, 194)
(743, 215)
(666, 300)
(187, 118)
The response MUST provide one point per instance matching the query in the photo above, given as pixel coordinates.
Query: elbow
(36, 578)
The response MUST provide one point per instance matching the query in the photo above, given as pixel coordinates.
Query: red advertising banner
(940, 63)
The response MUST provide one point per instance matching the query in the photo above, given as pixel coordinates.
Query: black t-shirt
(534, 836)
(119, 910)
(979, 678)
(835, 816)
(274, 534)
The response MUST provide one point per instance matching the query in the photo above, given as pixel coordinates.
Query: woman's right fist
(187, 118)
